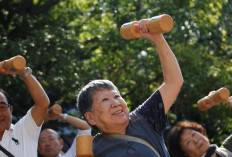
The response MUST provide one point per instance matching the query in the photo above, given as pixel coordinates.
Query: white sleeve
(84, 132)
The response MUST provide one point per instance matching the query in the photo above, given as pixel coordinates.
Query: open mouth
(117, 112)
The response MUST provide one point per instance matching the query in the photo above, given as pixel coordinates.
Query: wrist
(64, 118)
(26, 74)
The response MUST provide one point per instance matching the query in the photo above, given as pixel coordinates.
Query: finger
(9, 71)
(4, 71)
(211, 93)
(146, 25)
(143, 26)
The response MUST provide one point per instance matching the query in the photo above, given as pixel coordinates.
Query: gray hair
(85, 96)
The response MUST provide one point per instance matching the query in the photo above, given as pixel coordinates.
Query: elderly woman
(189, 139)
(101, 104)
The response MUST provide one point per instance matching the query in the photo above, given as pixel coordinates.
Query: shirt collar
(12, 126)
(59, 155)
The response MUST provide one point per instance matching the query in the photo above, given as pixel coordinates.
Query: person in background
(50, 143)
(101, 104)
(189, 139)
(21, 139)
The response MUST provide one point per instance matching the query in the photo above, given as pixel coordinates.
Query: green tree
(68, 43)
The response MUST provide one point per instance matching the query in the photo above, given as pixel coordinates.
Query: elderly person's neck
(114, 130)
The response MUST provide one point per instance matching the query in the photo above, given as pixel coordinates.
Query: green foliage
(68, 43)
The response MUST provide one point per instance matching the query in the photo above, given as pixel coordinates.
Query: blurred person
(21, 139)
(101, 104)
(189, 139)
(51, 144)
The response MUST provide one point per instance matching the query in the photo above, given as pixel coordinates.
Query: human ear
(11, 108)
(39, 149)
(90, 118)
(61, 143)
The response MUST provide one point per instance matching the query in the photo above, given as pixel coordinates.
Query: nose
(115, 103)
(195, 140)
(47, 142)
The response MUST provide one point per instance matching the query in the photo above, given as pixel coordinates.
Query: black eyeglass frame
(4, 103)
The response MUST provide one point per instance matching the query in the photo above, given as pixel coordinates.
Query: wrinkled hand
(143, 30)
(210, 102)
(9, 71)
(51, 117)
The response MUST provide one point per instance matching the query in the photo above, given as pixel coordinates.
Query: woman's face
(109, 111)
(193, 143)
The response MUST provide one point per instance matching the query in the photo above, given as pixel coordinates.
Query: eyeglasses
(45, 140)
(4, 106)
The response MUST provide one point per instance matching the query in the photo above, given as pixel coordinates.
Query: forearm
(37, 92)
(39, 96)
(173, 79)
(76, 122)
(171, 70)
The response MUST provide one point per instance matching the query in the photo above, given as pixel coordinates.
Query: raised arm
(74, 121)
(39, 96)
(173, 79)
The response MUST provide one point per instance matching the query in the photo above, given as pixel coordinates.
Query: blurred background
(67, 43)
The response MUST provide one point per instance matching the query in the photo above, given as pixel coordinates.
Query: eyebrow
(3, 102)
(104, 99)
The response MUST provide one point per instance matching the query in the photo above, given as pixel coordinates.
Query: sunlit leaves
(78, 40)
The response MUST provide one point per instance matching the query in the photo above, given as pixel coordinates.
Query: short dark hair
(51, 130)
(85, 96)
(174, 135)
(9, 100)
